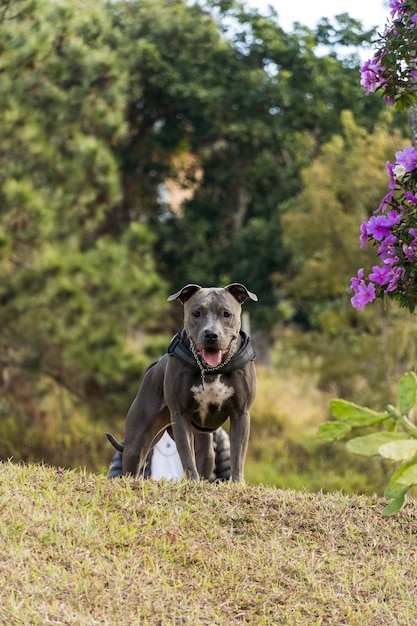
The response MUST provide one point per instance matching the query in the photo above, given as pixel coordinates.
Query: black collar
(179, 348)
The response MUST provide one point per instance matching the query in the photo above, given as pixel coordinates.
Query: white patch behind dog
(212, 393)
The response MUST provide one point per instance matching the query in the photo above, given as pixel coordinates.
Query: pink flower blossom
(396, 274)
(364, 293)
(379, 226)
(392, 177)
(396, 6)
(407, 158)
(387, 250)
(410, 251)
(411, 197)
(371, 75)
(393, 71)
(364, 234)
(380, 275)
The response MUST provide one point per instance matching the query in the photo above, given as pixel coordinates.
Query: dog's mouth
(211, 356)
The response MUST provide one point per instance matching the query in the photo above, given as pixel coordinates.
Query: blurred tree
(342, 187)
(68, 301)
(102, 104)
(275, 102)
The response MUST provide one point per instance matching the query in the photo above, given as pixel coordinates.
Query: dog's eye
(226, 314)
(195, 313)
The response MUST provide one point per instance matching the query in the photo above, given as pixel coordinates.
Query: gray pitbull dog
(207, 376)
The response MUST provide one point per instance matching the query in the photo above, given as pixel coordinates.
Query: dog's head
(212, 319)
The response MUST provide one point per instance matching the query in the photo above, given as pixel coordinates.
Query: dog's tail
(119, 446)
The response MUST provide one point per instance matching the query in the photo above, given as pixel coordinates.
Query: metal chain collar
(205, 370)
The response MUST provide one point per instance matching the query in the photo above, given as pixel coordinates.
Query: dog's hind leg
(239, 437)
(146, 420)
(144, 439)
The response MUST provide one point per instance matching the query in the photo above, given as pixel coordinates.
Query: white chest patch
(213, 393)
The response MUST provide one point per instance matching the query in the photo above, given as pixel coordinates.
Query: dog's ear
(185, 293)
(240, 292)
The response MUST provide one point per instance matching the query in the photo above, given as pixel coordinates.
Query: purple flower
(364, 234)
(411, 197)
(356, 280)
(392, 70)
(396, 6)
(384, 202)
(379, 226)
(387, 249)
(413, 233)
(391, 257)
(371, 75)
(389, 100)
(386, 275)
(394, 217)
(409, 251)
(407, 158)
(396, 275)
(381, 275)
(364, 293)
(391, 175)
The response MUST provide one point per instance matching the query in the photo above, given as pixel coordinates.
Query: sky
(309, 12)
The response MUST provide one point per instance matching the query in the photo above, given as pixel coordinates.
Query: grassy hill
(79, 549)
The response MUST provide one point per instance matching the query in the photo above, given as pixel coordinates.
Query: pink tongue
(213, 358)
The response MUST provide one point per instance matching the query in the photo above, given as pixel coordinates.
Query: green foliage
(284, 450)
(72, 296)
(369, 445)
(393, 65)
(397, 443)
(276, 103)
(407, 393)
(358, 354)
(334, 431)
(62, 104)
(344, 182)
(354, 415)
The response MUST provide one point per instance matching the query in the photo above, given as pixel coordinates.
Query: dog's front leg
(184, 439)
(239, 438)
(204, 454)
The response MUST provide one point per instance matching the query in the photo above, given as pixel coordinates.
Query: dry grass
(78, 549)
(290, 401)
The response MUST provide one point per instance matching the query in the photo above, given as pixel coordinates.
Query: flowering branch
(392, 69)
(393, 230)
(393, 227)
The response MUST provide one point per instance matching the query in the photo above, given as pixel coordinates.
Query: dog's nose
(210, 335)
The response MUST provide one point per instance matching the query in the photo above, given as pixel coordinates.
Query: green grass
(79, 549)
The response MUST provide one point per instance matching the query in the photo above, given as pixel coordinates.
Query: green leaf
(404, 478)
(394, 506)
(370, 445)
(355, 415)
(332, 431)
(399, 450)
(407, 392)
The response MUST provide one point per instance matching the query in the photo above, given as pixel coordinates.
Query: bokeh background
(147, 144)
